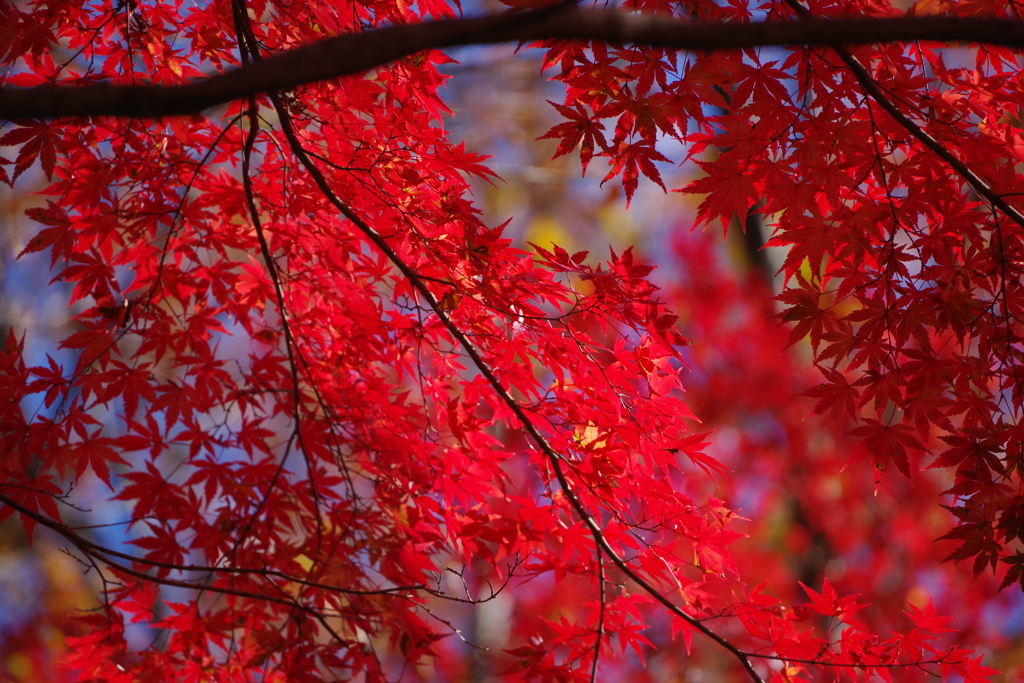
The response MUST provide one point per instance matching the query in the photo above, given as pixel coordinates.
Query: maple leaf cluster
(888, 173)
(321, 386)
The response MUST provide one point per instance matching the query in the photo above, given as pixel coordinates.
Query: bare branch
(356, 52)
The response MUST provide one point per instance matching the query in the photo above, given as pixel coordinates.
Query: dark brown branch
(96, 552)
(356, 52)
(104, 554)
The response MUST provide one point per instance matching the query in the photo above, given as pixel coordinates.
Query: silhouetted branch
(357, 52)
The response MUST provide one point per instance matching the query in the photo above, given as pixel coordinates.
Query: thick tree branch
(356, 52)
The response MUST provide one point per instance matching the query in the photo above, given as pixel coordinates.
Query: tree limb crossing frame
(356, 52)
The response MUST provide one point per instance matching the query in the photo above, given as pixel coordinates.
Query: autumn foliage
(343, 414)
